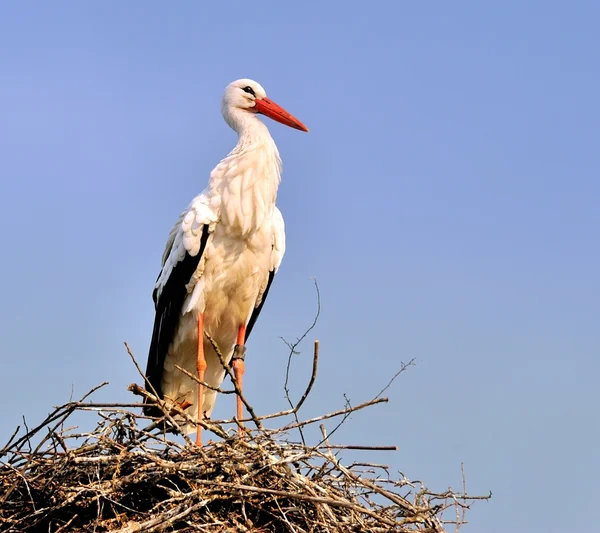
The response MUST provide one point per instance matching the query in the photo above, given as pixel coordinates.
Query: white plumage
(221, 255)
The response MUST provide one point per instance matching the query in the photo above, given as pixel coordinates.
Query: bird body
(230, 280)
(220, 259)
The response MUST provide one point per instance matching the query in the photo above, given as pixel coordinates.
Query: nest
(136, 474)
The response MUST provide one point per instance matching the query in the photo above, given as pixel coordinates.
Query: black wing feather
(258, 309)
(168, 312)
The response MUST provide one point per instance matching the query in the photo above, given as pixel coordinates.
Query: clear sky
(446, 198)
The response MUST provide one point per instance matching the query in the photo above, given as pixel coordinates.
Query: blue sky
(446, 198)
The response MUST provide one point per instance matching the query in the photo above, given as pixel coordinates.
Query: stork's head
(248, 95)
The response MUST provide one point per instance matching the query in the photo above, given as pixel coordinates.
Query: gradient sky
(446, 198)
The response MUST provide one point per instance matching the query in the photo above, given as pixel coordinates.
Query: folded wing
(183, 254)
(277, 252)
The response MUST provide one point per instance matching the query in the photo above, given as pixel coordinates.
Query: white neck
(243, 186)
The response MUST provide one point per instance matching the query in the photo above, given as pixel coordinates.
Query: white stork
(220, 260)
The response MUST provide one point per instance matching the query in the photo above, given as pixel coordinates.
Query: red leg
(201, 367)
(238, 369)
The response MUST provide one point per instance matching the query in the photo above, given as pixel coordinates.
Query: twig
(26, 438)
(197, 380)
(159, 402)
(238, 391)
(311, 382)
(335, 413)
(161, 522)
(296, 408)
(403, 367)
(298, 496)
(293, 351)
(364, 448)
(9, 442)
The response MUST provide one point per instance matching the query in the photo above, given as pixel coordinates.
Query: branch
(334, 414)
(238, 391)
(158, 401)
(197, 380)
(403, 367)
(292, 347)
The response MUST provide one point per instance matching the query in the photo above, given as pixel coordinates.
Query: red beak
(270, 109)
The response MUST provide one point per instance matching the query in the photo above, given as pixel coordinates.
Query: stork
(219, 262)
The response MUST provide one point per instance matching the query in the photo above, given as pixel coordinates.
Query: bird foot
(179, 406)
(184, 405)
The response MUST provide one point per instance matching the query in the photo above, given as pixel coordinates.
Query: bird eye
(249, 90)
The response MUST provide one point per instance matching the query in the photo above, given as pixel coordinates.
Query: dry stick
(361, 447)
(325, 437)
(136, 389)
(34, 518)
(238, 391)
(334, 414)
(8, 444)
(464, 487)
(22, 476)
(61, 441)
(195, 378)
(450, 493)
(327, 509)
(93, 405)
(160, 403)
(287, 412)
(65, 526)
(293, 425)
(368, 465)
(293, 352)
(403, 367)
(313, 376)
(58, 412)
(403, 503)
(287, 522)
(25, 438)
(299, 496)
(214, 428)
(28, 434)
(340, 423)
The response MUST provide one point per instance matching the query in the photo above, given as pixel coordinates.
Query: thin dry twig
(157, 401)
(294, 351)
(207, 385)
(403, 367)
(238, 391)
(297, 407)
